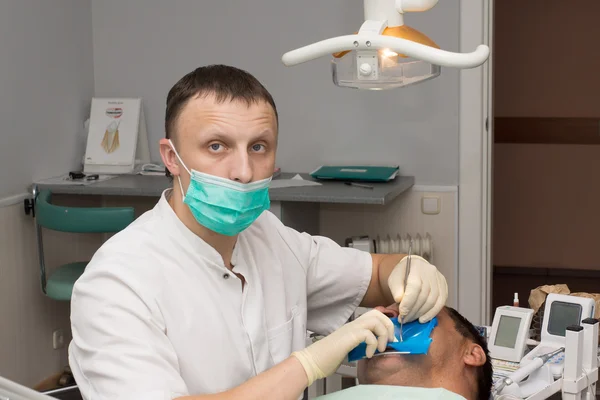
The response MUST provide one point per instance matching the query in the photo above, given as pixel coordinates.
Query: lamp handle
(375, 42)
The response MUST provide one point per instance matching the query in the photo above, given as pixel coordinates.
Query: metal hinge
(487, 124)
(29, 204)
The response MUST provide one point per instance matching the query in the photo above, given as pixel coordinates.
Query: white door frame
(474, 196)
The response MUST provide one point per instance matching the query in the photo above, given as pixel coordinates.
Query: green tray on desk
(357, 173)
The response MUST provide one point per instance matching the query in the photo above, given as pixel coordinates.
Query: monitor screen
(508, 328)
(562, 315)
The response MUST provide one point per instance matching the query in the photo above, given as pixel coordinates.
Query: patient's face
(446, 351)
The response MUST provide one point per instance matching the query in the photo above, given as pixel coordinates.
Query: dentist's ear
(169, 157)
(474, 355)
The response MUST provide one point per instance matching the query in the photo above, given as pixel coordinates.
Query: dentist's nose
(241, 169)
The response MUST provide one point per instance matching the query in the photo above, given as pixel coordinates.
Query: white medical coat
(157, 315)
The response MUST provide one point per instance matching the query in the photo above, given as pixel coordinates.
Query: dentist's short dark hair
(225, 82)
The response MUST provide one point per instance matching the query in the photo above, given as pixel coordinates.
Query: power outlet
(431, 205)
(58, 339)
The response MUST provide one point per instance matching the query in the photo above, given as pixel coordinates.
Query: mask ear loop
(183, 164)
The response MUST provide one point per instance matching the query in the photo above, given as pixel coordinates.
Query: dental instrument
(360, 185)
(385, 53)
(524, 372)
(405, 285)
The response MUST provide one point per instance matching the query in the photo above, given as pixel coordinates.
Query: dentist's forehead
(205, 113)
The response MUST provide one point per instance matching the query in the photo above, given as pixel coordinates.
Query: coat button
(225, 276)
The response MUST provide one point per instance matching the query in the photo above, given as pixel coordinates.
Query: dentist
(208, 295)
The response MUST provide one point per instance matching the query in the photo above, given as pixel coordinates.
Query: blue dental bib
(417, 339)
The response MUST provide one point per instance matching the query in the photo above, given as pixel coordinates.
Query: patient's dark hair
(485, 372)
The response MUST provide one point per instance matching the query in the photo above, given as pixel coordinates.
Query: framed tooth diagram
(117, 137)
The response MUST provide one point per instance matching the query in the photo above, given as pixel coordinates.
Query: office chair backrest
(80, 219)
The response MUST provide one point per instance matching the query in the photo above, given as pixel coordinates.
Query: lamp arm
(404, 6)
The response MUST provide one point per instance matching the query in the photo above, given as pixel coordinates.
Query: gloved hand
(323, 357)
(426, 291)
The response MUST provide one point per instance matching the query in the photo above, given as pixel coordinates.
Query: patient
(457, 361)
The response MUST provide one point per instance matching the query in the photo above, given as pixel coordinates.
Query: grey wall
(46, 80)
(142, 47)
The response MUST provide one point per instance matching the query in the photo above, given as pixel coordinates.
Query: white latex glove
(426, 292)
(324, 357)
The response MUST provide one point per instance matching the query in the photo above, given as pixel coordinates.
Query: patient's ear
(474, 355)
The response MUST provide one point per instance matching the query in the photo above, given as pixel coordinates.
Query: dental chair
(59, 284)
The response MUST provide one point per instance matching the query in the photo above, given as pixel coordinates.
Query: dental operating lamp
(385, 53)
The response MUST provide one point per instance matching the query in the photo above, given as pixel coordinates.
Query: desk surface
(328, 192)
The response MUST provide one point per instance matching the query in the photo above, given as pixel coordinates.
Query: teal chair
(59, 285)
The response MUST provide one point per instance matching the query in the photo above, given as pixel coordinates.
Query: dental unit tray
(417, 339)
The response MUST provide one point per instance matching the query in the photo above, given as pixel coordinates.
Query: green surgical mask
(223, 205)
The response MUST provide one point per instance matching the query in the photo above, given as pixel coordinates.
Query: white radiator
(422, 245)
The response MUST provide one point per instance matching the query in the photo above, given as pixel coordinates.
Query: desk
(328, 192)
(296, 207)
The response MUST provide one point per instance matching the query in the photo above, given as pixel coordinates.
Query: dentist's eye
(258, 147)
(215, 147)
